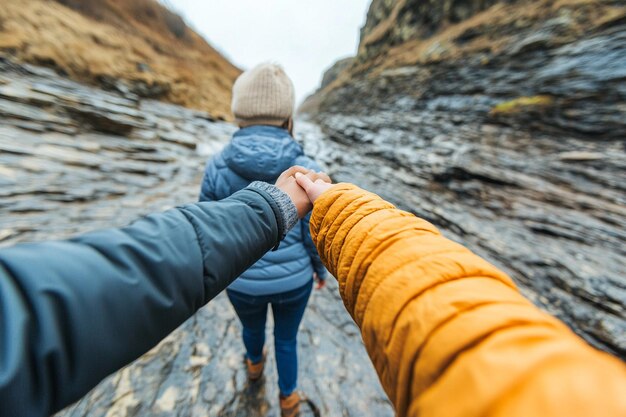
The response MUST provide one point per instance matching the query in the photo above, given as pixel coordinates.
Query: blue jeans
(287, 309)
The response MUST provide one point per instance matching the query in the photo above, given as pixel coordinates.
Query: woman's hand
(314, 184)
(321, 283)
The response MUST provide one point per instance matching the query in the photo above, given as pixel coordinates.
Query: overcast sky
(305, 36)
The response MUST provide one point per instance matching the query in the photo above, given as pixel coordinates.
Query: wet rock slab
(74, 159)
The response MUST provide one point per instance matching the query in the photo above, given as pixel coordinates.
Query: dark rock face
(333, 72)
(312, 102)
(75, 159)
(391, 22)
(517, 151)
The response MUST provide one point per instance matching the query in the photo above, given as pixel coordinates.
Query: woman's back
(261, 153)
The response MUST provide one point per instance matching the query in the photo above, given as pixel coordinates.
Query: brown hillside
(138, 45)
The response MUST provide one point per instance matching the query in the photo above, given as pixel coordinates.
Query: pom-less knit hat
(263, 95)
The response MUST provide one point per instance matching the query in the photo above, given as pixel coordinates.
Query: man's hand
(314, 184)
(287, 183)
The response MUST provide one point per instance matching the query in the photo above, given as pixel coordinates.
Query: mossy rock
(522, 104)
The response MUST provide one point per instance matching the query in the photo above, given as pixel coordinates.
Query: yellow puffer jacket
(448, 333)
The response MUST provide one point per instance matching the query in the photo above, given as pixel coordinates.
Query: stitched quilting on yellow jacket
(448, 333)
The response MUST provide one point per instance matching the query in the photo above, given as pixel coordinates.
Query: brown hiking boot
(255, 370)
(290, 405)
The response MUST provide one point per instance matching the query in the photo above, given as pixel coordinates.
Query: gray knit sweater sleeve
(288, 213)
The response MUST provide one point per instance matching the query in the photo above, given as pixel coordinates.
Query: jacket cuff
(287, 214)
(322, 274)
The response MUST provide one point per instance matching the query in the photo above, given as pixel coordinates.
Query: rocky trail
(74, 159)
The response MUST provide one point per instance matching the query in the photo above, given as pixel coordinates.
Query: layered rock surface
(74, 159)
(506, 130)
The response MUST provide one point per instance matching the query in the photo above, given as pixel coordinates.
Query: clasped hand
(303, 186)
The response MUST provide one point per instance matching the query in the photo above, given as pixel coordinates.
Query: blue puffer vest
(263, 153)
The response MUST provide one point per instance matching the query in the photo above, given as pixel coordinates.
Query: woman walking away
(263, 104)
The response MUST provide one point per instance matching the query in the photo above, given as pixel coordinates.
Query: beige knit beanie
(263, 95)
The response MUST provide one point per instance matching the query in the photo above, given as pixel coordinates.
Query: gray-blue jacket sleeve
(72, 312)
(316, 261)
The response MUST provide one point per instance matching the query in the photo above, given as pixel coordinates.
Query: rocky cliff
(503, 122)
(134, 46)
